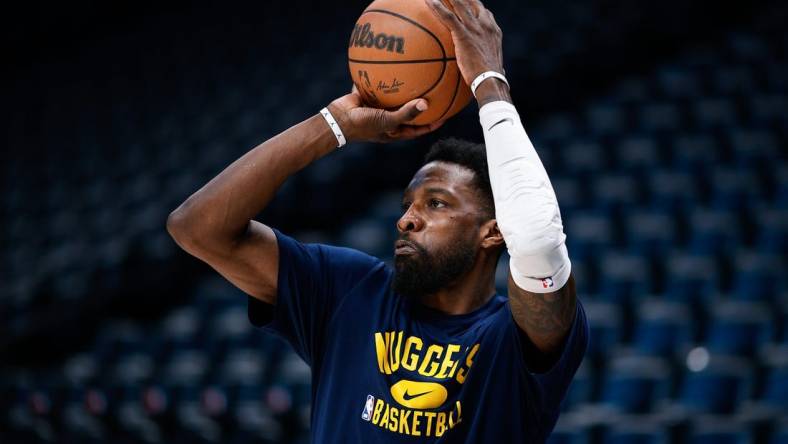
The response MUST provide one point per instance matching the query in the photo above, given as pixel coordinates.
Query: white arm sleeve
(526, 208)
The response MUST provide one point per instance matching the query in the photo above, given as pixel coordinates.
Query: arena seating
(672, 181)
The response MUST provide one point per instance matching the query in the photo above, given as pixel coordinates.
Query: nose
(410, 221)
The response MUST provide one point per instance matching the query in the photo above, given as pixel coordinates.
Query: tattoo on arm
(545, 317)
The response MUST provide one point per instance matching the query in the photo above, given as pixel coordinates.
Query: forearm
(526, 206)
(541, 292)
(220, 211)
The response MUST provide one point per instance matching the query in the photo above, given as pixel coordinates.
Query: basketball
(398, 51)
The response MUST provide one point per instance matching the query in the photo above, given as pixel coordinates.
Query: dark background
(662, 125)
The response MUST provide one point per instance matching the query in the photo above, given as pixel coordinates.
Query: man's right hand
(365, 124)
(477, 44)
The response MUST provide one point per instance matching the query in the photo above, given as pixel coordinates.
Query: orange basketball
(399, 50)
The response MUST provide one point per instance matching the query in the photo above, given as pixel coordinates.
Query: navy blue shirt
(387, 369)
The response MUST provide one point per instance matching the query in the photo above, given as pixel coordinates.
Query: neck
(469, 292)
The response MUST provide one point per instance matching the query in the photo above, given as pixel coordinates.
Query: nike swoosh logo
(507, 119)
(407, 397)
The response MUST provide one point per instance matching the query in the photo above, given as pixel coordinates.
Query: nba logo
(367, 413)
(547, 283)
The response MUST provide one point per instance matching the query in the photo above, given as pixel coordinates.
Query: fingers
(462, 10)
(406, 112)
(446, 16)
(405, 132)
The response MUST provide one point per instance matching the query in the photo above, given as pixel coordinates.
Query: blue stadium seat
(614, 191)
(184, 366)
(676, 81)
(710, 113)
(214, 294)
(632, 431)
(588, 233)
(733, 79)
(605, 118)
(714, 231)
(181, 328)
(253, 418)
(774, 394)
(649, 232)
(583, 157)
(758, 276)
(717, 386)
(118, 338)
(753, 147)
(664, 116)
(370, 236)
(781, 193)
(772, 230)
(624, 276)
(638, 154)
(663, 328)
(690, 277)
(295, 376)
(720, 430)
(604, 320)
(694, 152)
(580, 389)
(738, 327)
(242, 365)
(767, 108)
(570, 195)
(780, 433)
(567, 432)
(634, 384)
(671, 189)
(734, 188)
(132, 368)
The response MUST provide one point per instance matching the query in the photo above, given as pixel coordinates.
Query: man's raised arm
(541, 292)
(215, 224)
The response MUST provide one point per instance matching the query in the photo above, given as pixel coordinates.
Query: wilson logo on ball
(364, 37)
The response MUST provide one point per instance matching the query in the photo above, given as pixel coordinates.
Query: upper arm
(250, 262)
(544, 317)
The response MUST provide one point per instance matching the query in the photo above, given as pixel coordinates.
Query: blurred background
(663, 125)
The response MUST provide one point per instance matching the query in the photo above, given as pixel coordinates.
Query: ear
(491, 235)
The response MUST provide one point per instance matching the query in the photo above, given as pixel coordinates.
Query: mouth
(402, 247)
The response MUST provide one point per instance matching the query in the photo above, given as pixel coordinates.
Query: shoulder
(329, 261)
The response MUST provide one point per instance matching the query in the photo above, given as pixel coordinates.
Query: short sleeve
(550, 387)
(312, 279)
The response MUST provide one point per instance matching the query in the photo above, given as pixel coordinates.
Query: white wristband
(484, 76)
(334, 127)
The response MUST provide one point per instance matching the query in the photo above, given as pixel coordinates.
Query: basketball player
(424, 351)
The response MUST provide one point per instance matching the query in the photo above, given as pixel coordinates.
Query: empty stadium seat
(716, 386)
(614, 191)
(604, 320)
(691, 277)
(649, 232)
(624, 276)
(588, 233)
(719, 431)
(635, 384)
(580, 389)
(633, 431)
(663, 328)
(757, 276)
(739, 327)
(714, 231)
(671, 189)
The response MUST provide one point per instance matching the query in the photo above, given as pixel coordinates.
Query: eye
(435, 203)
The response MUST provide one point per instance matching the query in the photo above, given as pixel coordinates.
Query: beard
(424, 273)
